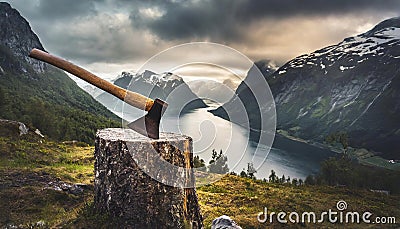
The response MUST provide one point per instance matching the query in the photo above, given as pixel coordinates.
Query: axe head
(149, 124)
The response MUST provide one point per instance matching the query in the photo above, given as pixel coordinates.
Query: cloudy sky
(109, 36)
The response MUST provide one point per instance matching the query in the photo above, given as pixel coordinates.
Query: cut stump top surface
(128, 135)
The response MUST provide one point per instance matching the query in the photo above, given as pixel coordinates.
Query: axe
(147, 125)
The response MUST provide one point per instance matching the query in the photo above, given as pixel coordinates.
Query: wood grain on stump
(126, 164)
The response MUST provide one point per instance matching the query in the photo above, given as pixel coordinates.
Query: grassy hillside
(40, 95)
(243, 198)
(38, 187)
(34, 180)
(51, 102)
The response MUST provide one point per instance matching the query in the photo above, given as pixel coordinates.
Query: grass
(67, 162)
(27, 200)
(368, 158)
(244, 198)
(28, 168)
(29, 204)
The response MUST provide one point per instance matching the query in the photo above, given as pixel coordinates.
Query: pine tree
(218, 163)
(243, 174)
(273, 177)
(2, 98)
(199, 163)
(251, 170)
(310, 180)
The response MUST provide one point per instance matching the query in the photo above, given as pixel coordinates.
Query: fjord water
(288, 157)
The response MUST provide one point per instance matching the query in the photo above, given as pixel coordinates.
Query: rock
(224, 222)
(9, 128)
(37, 131)
(22, 129)
(123, 189)
(16, 34)
(74, 189)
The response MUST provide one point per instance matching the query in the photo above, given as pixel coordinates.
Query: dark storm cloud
(61, 9)
(118, 32)
(224, 19)
(190, 19)
(276, 8)
(55, 10)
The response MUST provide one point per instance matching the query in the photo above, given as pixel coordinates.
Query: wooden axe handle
(132, 98)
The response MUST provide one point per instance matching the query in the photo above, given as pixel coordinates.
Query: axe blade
(149, 124)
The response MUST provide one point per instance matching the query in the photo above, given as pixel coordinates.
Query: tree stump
(128, 171)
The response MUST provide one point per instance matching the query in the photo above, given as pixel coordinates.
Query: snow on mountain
(165, 86)
(351, 87)
(361, 47)
(162, 80)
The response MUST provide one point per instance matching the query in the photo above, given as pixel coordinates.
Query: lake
(288, 157)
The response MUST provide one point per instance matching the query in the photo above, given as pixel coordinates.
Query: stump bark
(126, 164)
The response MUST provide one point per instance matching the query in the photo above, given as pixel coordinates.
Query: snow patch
(348, 104)
(362, 60)
(161, 79)
(333, 107)
(343, 68)
(372, 102)
(302, 113)
(318, 101)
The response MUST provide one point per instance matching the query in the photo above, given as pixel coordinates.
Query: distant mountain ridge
(40, 95)
(166, 86)
(351, 87)
(213, 90)
(246, 96)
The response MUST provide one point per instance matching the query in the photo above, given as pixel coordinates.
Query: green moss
(322, 107)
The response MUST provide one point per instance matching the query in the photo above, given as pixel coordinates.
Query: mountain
(166, 86)
(38, 94)
(352, 87)
(244, 98)
(213, 90)
(92, 90)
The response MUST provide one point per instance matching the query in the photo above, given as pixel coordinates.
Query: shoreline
(363, 156)
(320, 145)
